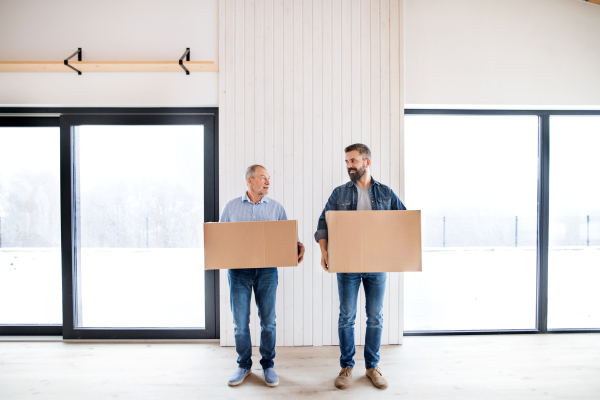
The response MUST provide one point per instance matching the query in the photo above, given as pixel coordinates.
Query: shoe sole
(239, 382)
(344, 387)
(378, 387)
(270, 384)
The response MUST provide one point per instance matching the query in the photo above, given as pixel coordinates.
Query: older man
(254, 205)
(361, 193)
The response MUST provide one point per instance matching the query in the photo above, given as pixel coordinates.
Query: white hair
(251, 170)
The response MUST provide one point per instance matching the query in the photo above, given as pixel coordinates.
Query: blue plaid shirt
(242, 209)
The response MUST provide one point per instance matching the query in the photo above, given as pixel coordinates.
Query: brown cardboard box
(374, 241)
(264, 244)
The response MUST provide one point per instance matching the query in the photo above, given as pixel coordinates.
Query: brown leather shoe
(378, 380)
(343, 380)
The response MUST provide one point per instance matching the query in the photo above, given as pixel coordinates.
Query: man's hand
(324, 255)
(301, 252)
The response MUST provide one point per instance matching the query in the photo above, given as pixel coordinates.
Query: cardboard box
(374, 241)
(261, 244)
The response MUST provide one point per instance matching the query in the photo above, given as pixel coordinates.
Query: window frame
(17, 121)
(49, 117)
(67, 119)
(543, 197)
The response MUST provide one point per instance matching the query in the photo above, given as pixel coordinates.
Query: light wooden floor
(556, 366)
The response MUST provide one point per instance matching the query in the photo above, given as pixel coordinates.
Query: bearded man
(361, 193)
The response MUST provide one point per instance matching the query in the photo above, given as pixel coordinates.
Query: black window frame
(67, 118)
(49, 116)
(543, 197)
(17, 121)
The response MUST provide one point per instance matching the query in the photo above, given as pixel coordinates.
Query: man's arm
(324, 255)
(396, 202)
(321, 233)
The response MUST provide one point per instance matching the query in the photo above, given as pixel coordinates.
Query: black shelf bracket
(185, 55)
(78, 53)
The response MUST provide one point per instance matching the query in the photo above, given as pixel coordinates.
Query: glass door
(475, 180)
(574, 223)
(138, 204)
(30, 267)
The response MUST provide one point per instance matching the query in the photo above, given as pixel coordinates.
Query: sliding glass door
(101, 222)
(475, 179)
(141, 187)
(574, 241)
(140, 212)
(30, 267)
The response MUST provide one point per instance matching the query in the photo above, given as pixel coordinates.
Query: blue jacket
(345, 197)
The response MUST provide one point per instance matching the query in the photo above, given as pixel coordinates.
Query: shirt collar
(373, 183)
(245, 197)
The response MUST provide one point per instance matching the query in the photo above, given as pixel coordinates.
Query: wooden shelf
(107, 66)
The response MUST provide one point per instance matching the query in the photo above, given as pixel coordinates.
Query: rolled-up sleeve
(321, 232)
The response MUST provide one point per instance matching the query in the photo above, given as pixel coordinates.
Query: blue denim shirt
(345, 197)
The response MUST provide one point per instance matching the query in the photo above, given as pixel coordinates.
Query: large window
(30, 274)
(574, 251)
(510, 220)
(141, 212)
(101, 214)
(101, 223)
(475, 180)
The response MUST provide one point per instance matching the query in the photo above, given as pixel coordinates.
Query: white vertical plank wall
(299, 80)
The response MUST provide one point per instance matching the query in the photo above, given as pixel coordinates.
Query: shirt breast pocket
(343, 204)
(384, 203)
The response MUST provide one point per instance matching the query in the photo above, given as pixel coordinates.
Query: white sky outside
(471, 163)
(28, 149)
(113, 153)
(31, 149)
(574, 165)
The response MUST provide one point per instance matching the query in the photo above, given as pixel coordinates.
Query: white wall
(299, 81)
(460, 52)
(108, 30)
(502, 52)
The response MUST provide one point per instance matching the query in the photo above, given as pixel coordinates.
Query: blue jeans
(348, 285)
(264, 282)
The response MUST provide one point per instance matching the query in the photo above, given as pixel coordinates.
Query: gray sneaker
(238, 376)
(271, 377)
